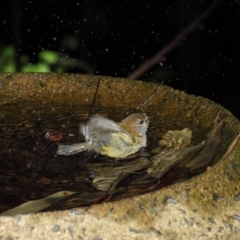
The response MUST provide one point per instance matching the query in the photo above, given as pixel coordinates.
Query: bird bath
(38, 110)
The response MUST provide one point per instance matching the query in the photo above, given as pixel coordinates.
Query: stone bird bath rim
(206, 204)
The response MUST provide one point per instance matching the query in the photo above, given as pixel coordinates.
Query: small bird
(111, 139)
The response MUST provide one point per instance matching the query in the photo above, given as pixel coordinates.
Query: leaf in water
(186, 159)
(37, 205)
(164, 161)
(108, 174)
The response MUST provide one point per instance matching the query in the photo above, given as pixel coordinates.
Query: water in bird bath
(30, 168)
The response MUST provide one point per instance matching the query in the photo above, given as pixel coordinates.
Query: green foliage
(37, 67)
(7, 63)
(48, 61)
(49, 57)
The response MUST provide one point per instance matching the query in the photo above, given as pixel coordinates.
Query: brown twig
(171, 45)
(234, 142)
(146, 100)
(94, 97)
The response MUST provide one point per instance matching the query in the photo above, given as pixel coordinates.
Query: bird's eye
(141, 122)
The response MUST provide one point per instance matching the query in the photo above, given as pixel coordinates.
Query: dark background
(114, 37)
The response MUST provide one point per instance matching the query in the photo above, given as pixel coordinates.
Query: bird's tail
(71, 149)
